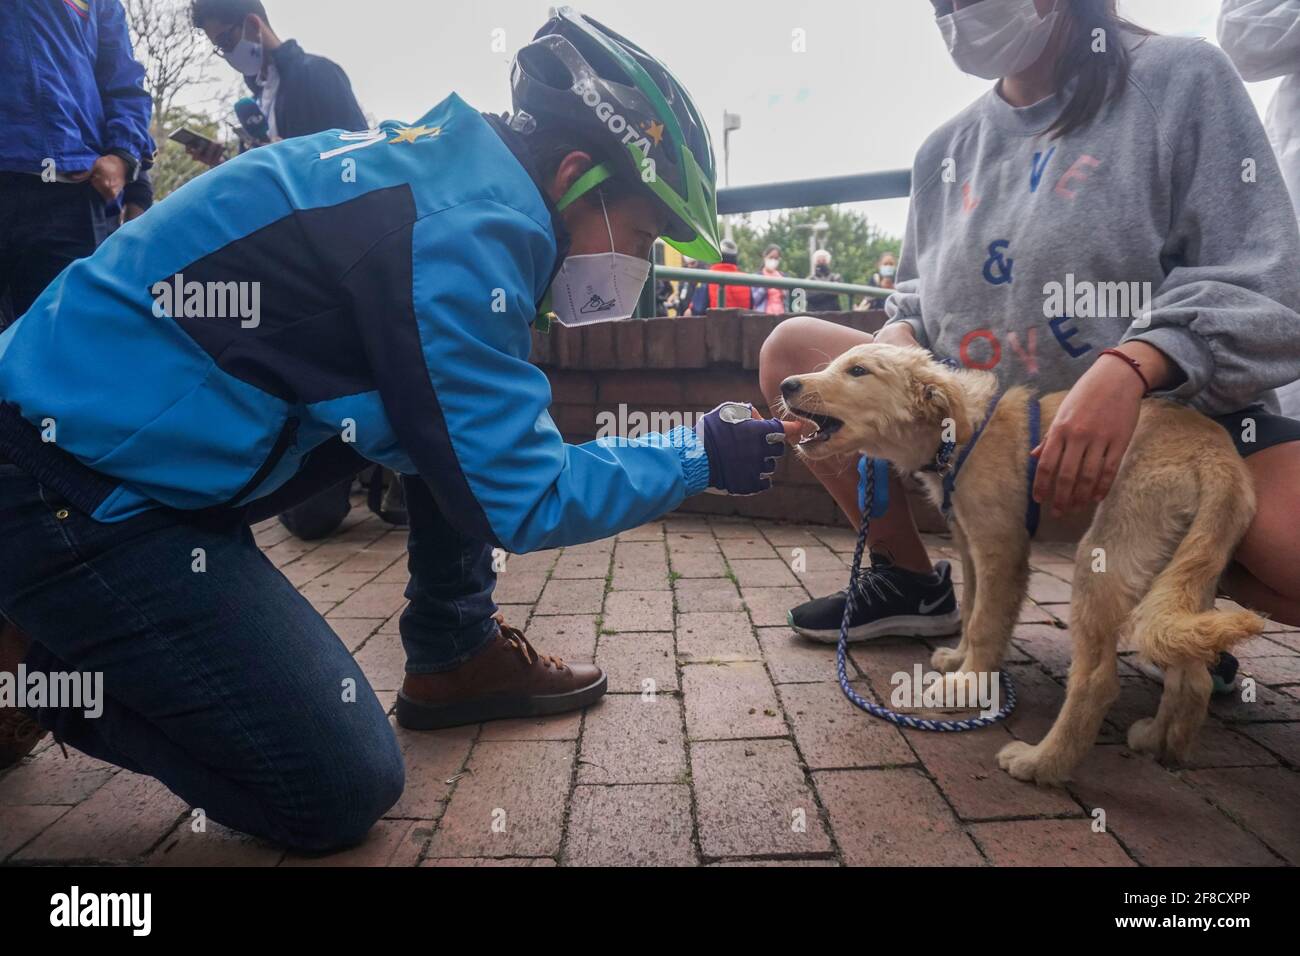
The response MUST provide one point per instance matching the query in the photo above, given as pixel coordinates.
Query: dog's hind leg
(1099, 612)
(1176, 625)
(947, 659)
(1171, 733)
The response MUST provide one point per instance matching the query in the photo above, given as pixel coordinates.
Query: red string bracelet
(1132, 363)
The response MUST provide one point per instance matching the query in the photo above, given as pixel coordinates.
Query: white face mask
(771, 263)
(602, 287)
(996, 38)
(246, 57)
(887, 271)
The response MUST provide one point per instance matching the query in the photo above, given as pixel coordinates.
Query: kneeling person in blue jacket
(324, 301)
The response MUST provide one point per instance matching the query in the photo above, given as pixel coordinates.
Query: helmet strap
(584, 184)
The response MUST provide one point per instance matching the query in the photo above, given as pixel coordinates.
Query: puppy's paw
(1146, 737)
(947, 659)
(1168, 744)
(1015, 757)
(1031, 763)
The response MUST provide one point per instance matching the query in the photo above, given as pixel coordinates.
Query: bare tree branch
(176, 56)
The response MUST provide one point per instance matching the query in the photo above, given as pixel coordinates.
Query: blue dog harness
(878, 503)
(1032, 510)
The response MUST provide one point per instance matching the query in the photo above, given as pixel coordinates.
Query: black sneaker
(890, 602)
(1224, 672)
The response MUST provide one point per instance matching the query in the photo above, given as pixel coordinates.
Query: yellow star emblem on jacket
(655, 131)
(409, 134)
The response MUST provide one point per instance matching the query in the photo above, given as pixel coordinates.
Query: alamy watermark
(75, 690)
(208, 300)
(76, 908)
(934, 690)
(622, 427)
(1083, 299)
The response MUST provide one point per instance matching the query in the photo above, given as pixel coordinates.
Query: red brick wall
(675, 366)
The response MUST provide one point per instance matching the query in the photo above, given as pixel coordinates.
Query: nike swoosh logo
(927, 608)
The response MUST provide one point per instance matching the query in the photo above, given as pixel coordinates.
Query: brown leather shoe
(18, 732)
(508, 678)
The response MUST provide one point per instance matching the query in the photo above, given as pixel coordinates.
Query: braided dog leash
(841, 662)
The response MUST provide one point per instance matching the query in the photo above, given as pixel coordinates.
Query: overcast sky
(874, 81)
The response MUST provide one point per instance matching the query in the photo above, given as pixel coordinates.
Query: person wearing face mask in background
(824, 301)
(771, 301)
(394, 327)
(1087, 165)
(882, 279)
(1263, 39)
(717, 296)
(298, 93)
(684, 291)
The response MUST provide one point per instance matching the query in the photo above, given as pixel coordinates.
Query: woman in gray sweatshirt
(1113, 190)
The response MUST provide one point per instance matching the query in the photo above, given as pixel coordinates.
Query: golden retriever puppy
(1149, 555)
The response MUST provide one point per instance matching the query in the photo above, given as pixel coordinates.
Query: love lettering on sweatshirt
(1067, 186)
(1063, 302)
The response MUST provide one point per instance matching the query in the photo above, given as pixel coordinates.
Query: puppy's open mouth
(824, 426)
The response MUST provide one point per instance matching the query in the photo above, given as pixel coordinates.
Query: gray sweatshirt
(1165, 220)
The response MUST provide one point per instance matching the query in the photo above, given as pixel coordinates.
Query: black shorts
(1269, 429)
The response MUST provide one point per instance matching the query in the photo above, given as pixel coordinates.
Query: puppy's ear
(931, 399)
(936, 395)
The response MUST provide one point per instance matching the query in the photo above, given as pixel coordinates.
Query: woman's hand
(1079, 458)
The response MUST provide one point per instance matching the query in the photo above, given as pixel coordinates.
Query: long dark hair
(1101, 74)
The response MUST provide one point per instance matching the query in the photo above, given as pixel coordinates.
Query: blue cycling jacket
(395, 273)
(73, 89)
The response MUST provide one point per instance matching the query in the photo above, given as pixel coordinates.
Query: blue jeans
(224, 683)
(450, 590)
(449, 618)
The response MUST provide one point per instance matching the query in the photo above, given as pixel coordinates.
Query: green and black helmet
(583, 78)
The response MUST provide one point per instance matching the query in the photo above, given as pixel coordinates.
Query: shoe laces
(875, 580)
(515, 638)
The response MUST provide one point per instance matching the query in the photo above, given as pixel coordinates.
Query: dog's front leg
(947, 659)
(989, 615)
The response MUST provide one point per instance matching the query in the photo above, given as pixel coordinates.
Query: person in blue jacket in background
(76, 130)
(304, 307)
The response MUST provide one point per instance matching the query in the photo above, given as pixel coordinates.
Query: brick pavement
(723, 740)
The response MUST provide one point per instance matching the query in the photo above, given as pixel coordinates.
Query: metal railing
(859, 187)
(709, 277)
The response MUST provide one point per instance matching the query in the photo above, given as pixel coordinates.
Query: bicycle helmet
(581, 77)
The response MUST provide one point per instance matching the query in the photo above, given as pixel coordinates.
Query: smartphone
(188, 138)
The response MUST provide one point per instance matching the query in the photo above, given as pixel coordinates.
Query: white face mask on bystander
(247, 56)
(996, 38)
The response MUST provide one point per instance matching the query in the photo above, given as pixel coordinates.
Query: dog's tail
(1175, 623)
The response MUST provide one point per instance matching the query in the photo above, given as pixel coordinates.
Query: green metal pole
(645, 304)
